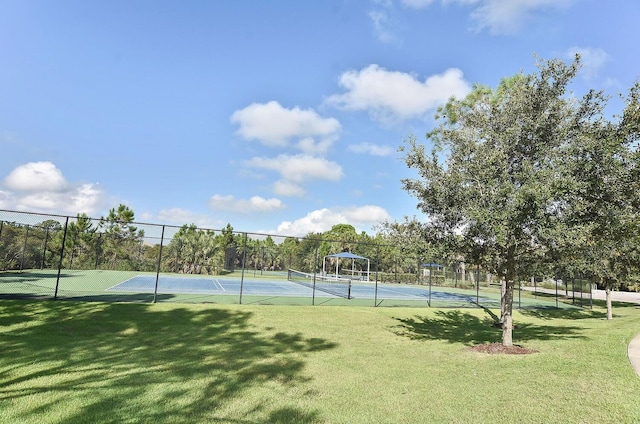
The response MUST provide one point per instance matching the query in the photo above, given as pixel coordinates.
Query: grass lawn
(83, 362)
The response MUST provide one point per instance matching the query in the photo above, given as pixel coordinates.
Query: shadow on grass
(457, 326)
(577, 313)
(109, 362)
(573, 313)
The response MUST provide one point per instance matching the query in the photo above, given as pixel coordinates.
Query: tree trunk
(609, 307)
(503, 305)
(507, 317)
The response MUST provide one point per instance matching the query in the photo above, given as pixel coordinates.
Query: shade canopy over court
(352, 272)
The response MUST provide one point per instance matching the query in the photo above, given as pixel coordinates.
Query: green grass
(76, 362)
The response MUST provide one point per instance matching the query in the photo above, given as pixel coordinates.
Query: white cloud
(509, 16)
(41, 187)
(592, 59)
(499, 16)
(391, 96)
(86, 198)
(288, 189)
(299, 168)
(321, 220)
(254, 204)
(7, 199)
(36, 176)
(371, 149)
(381, 26)
(275, 126)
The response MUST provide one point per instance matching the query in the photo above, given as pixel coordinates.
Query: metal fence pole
(430, 274)
(478, 285)
(158, 265)
(24, 248)
(44, 249)
(556, 279)
(244, 256)
(519, 293)
(64, 239)
(95, 266)
(375, 293)
(315, 268)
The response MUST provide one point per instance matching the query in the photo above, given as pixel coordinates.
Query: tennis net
(336, 286)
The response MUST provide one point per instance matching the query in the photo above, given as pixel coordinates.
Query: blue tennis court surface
(147, 284)
(227, 286)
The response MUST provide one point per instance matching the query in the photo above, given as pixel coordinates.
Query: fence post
(519, 293)
(375, 295)
(24, 248)
(430, 271)
(98, 251)
(244, 257)
(556, 280)
(477, 284)
(64, 240)
(155, 290)
(315, 269)
(44, 249)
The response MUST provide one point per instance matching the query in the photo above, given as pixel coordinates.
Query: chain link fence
(82, 258)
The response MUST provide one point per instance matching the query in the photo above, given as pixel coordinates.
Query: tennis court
(250, 287)
(233, 287)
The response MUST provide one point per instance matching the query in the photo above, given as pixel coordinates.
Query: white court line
(122, 282)
(403, 293)
(219, 284)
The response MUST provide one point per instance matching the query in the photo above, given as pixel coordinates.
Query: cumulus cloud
(36, 176)
(391, 96)
(322, 220)
(371, 149)
(296, 169)
(288, 189)
(254, 204)
(41, 187)
(592, 59)
(7, 199)
(273, 125)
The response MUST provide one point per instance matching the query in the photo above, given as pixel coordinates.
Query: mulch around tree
(499, 348)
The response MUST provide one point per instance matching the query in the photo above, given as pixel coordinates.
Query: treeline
(117, 242)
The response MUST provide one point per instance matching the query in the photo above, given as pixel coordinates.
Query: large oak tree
(494, 179)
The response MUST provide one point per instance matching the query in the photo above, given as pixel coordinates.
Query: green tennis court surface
(267, 288)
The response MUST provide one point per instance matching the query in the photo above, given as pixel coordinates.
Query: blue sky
(275, 116)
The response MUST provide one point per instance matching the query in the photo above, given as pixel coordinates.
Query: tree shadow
(577, 313)
(456, 326)
(563, 313)
(108, 357)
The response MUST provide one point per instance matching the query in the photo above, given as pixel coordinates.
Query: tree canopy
(499, 181)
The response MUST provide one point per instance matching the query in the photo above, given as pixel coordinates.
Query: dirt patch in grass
(499, 348)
